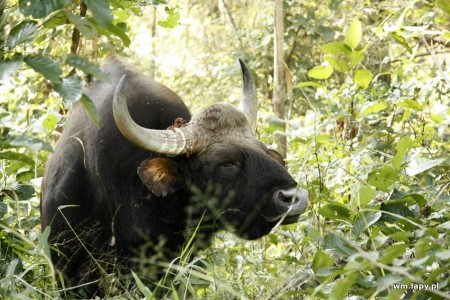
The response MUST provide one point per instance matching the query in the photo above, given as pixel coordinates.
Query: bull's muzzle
(291, 203)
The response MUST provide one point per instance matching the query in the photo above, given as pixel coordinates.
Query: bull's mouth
(289, 219)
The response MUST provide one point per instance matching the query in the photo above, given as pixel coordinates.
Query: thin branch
(74, 47)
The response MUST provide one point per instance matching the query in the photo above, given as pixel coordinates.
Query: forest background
(365, 117)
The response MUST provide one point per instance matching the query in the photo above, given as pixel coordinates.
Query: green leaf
(87, 67)
(101, 12)
(363, 221)
(335, 211)
(392, 252)
(387, 281)
(145, 290)
(9, 155)
(362, 78)
(322, 260)
(49, 122)
(43, 241)
(173, 18)
(444, 5)
(383, 178)
(401, 40)
(91, 109)
(354, 34)
(420, 165)
(403, 145)
(119, 32)
(321, 72)
(409, 103)
(398, 209)
(336, 48)
(337, 64)
(25, 192)
(9, 66)
(3, 209)
(69, 88)
(373, 109)
(22, 32)
(30, 143)
(310, 84)
(84, 25)
(342, 287)
(357, 56)
(365, 195)
(44, 65)
(39, 9)
(25, 176)
(338, 245)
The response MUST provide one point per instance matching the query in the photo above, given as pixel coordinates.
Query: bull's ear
(277, 156)
(159, 175)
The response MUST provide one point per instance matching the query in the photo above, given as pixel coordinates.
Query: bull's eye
(227, 165)
(228, 169)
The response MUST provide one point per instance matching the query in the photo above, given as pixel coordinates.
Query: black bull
(150, 173)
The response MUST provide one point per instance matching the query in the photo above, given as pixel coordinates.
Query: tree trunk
(279, 93)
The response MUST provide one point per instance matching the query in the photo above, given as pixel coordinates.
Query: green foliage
(368, 133)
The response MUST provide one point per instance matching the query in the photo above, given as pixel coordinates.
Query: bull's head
(218, 148)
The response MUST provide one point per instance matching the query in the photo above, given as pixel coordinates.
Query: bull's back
(91, 167)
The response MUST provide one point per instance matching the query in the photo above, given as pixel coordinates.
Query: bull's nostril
(287, 197)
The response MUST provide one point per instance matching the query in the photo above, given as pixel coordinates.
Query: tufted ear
(277, 156)
(159, 175)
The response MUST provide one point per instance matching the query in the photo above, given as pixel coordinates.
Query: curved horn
(249, 101)
(170, 142)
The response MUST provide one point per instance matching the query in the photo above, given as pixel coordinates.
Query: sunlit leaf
(357, 56)
(383, 178)
(403, 146)
(173, 18)
(50, 122)
(9, 155)
(373, 109)
(362, 78)
(444, 5)
(39, 8)
(420, 165)
(337, 64)
(336, 48)
(101, 11)
(365, 195)
(354, 34)
(322, 72)
(22, 32)
(9, 66)
(44, 65)
(409, 103)
(310, 84)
